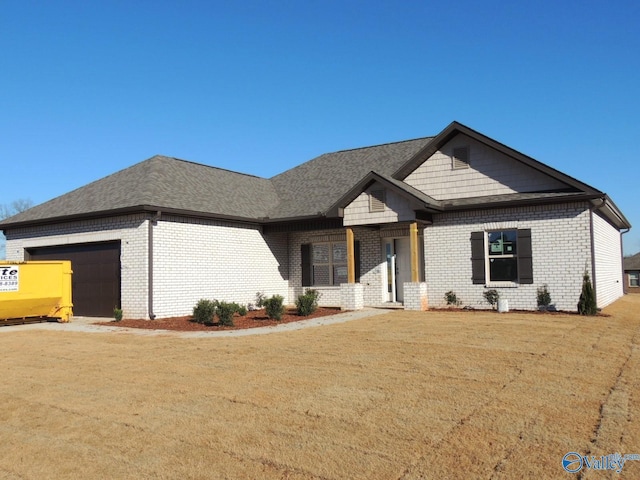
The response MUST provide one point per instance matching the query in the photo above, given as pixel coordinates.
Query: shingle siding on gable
(490, 173)
(396, 210)
(560, 248)
(608, 254)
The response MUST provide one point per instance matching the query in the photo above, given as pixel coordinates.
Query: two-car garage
(96, 274)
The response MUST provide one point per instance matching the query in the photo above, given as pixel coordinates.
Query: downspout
(152, 221)
(624, 279)
(603, 200)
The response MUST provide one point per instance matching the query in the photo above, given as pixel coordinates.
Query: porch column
(351, 257)
(415, 257)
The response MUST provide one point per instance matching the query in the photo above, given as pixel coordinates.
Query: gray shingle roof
(315, 185)
(164, 183)
(306, 191)
(632, 263)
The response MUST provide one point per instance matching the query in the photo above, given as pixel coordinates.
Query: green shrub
(274, 307)
(452, 298)
(543, 297)
(587, 302)
(308, 303)
(260, 299)
(117, 314)
(204, 311)
(225, 313)
(492, 297)
(241, 310)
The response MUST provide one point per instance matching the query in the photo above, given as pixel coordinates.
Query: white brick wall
(608, 261)
(196, 259)
(490, 173)
(131, 230)
(415, 296)
(370, 267)
(561, 249)
(192, 260)
(351, 296)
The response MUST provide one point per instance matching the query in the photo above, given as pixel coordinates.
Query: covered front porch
(397, 278)
(398, 213)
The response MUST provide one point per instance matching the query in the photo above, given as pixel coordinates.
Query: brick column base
(415, 296)
(351, 296)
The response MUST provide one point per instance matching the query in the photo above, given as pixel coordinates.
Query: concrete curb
(88, 325)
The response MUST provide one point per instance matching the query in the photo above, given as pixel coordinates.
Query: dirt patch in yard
(404, 395)
(253, 319)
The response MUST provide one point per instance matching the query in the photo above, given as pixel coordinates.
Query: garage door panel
(96, 275)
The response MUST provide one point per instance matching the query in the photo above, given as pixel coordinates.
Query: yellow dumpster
(35, 290)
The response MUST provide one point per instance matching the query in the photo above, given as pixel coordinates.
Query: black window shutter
(307, 266)
(356, 254)
(477, 257)
(525, 258)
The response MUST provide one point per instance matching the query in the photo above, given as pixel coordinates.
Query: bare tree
(9, 210)
(15, 207)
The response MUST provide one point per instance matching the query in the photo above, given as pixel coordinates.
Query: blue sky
(89, 88)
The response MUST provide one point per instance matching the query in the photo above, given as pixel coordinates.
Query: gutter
(152, 221)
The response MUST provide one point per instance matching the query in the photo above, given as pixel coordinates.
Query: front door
(397, 253)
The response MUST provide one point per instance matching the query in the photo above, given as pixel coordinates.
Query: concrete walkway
(89, 325)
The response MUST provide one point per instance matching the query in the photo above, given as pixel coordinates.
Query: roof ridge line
(380, 145)
(207, 166)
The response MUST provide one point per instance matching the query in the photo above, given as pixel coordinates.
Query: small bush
(204, 311)
(117, 314)
(587, 302)
(225, 313)
(543, 297)
(452, 298)
(260, 299)
(492, 297)
(241, 310)
(274, 307)
(307, 303)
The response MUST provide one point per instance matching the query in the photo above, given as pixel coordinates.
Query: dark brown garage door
(96, 275)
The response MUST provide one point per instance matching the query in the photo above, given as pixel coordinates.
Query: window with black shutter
(325, 263)
(502, 256)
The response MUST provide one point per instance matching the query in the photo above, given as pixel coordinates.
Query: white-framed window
(329, 263)
(634, 279)
(502, 256)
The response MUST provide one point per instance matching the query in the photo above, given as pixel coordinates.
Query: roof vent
(376, 200)
(460, 158)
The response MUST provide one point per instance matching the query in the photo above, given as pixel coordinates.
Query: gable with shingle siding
(489, 172)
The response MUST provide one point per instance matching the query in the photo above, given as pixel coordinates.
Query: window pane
(321, 274)
(633, 279)
(495, 243)
(339, 274)
(503, 270)
(321, 253)
(503, 243)
(509, 242)
(340, 252)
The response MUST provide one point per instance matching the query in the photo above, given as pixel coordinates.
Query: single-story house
(395, 224)
(632, 274)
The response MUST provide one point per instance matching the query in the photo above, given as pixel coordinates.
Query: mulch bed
(253, 319)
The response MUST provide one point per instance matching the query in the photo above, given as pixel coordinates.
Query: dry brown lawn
(405, 395)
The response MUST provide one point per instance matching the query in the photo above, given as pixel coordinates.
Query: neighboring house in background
(400, 223)
(632, 274)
